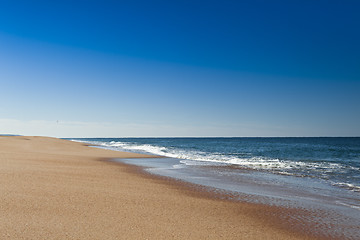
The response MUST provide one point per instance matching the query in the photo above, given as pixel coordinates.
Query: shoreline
(123, 201)
(277, 217)
(300, 222)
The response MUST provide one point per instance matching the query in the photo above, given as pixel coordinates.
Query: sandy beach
(58, 189)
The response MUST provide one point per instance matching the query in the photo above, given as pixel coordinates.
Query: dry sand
(58, 189)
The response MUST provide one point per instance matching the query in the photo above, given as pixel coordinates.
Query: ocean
(317, 173)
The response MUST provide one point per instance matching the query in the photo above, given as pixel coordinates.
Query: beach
(58, 189)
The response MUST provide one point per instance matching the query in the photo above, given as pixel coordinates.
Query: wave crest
(246, 161)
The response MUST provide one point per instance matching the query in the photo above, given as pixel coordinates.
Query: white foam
(204, 158)
(349, 186)
(349, 205)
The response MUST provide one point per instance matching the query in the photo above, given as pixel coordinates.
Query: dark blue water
(321, 175)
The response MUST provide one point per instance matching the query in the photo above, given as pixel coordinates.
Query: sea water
(320, 174)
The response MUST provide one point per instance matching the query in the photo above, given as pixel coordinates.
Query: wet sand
(58, 189)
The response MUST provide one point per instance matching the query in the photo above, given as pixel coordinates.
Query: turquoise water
(316, 174)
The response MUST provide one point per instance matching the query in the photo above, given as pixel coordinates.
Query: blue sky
(180, 68)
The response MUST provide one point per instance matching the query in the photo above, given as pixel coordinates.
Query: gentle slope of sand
(58, 189)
